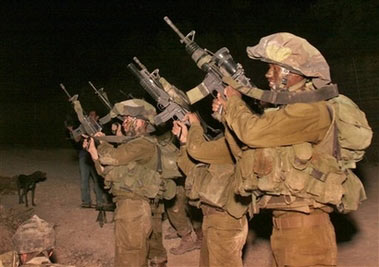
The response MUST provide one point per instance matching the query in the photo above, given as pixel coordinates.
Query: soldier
(88, 172)
(293, 161)
(133, 170)
(34, 243)
(176, 209)
(224, 224)
(178, 214)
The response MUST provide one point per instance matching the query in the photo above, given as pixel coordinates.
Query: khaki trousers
(138, 232)
(177, 212)
(224, 238)
(303, 240)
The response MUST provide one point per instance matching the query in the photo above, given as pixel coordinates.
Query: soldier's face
(274, 76)
(280, 78)
(133, 126)
(140, 125)
(127, 124)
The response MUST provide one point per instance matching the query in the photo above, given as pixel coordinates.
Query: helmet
(136, 108)
(34, 235)
(293, 53)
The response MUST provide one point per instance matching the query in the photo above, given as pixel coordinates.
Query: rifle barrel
(64, 89)
(136, 60)
(175, 29)
(135, 71)
(146, 82)
(91, 84)
(101, 94)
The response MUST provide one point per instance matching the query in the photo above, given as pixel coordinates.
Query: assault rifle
(87, 126)
(154, 85)
(172, 101)
(216, 65)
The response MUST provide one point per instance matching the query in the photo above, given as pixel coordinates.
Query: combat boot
(158, 262)
(171, 233)
(187, 244)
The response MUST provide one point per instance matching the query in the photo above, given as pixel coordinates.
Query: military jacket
(212, 179)
(283, 165)
(292, 124)
(136, 168)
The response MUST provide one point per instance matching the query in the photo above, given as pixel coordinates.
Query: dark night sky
(44, 43)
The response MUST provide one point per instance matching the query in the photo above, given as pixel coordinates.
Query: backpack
(354, 134)
(323, 172)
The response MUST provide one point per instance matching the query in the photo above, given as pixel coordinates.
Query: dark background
(44, 43)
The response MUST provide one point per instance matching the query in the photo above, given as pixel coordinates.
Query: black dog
(28, 183)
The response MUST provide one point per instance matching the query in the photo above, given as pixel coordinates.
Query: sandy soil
(81, 242)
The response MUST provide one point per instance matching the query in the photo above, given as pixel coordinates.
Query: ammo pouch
(134, 178)
(167, 155)
(150, 180)
(354, 193)
(258, 169)
(313, 175)
(298, 172)
(210, 184)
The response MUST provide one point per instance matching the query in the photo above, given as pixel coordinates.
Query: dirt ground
(81, 242)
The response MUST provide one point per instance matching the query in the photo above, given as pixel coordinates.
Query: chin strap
(284, 78)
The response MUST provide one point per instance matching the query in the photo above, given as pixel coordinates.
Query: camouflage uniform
(131, 172)
(302, 232)
(177, 213)
(224, 235)
(35, 238)
(9, 259)
(133, 220)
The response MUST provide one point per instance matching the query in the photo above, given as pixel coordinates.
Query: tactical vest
(10, 259)
(150, 179)
(214, 185)
(300, 177)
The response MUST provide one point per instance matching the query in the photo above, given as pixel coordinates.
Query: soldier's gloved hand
(218, 103)
(89, 145)
(191, 117)
(230, 91)
(98, 134)
(116, 129)
(180, 130)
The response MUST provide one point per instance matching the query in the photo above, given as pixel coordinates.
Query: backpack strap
(329, 144)
(324, 93)
(159, 168)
